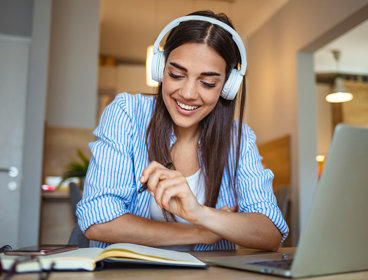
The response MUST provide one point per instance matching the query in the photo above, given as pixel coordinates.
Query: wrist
(206, 236)
(201, 215)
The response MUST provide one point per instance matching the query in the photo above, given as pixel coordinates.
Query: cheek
(168, 87)
(211, 99)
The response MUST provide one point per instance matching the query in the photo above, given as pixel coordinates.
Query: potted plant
(76, 169)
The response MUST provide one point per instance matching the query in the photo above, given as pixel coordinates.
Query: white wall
(74, 48)
(273, 64)
(29, 218)
(129, 78)
(30, 19)
(324, 118)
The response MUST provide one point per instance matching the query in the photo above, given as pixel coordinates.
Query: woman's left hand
(171, 191)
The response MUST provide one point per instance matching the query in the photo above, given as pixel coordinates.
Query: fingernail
(141, 178)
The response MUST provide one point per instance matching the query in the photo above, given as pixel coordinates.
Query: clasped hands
(171, 191)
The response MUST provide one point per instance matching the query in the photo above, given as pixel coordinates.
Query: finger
(167, 183)
(153, 173)
(154, 178)
(160, 175)
(234, 208)
(148, 170)
(226, 209)
(178, 192)
(230, 209)
(180, 201)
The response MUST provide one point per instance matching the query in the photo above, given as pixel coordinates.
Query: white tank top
(197, 186)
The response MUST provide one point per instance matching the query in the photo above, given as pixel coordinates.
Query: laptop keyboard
(281, 264)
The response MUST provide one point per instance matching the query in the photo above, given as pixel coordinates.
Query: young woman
(215, 194)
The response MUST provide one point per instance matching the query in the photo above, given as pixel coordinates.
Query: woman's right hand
(171, 191)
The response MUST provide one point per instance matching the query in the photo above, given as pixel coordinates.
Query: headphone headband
(232, 85)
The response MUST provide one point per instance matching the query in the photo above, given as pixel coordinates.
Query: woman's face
(193, 79)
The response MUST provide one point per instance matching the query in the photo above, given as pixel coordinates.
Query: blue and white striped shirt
(119, 156)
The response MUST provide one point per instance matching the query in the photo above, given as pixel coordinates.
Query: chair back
(76, 237)
(75, 197)
(282, 197)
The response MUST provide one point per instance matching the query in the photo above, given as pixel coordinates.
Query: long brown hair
(217, 127)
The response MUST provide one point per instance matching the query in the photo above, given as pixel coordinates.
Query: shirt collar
(172, 137)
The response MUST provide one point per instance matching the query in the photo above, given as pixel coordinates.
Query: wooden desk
(211, 273)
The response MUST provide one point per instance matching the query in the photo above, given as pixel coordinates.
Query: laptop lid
(335, 238)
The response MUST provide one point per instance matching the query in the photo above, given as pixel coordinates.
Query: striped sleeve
(107, 192)
(255, 184)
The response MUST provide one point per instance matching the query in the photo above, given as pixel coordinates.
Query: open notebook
(119, 253)
(335, 238)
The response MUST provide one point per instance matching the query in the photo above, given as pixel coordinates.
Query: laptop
(335, 238)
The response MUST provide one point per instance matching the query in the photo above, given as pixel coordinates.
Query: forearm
(129, 228)
(251, 230)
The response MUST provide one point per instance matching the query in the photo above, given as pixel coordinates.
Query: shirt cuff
(272, 212)
(91, 213)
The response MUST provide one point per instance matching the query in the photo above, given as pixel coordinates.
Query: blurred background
(63, 61)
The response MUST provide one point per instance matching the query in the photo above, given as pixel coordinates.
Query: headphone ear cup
(158, 66)
(232, 85)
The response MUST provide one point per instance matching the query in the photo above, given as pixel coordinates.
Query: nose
(189, 89)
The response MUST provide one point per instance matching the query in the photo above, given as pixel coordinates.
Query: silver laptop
(335, 238)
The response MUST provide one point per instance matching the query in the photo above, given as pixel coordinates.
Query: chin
(184, 122)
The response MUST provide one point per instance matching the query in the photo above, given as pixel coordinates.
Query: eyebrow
(203, 73)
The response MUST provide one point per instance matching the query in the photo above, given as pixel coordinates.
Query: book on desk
(90, 259)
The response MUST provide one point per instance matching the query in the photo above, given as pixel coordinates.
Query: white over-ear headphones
(232, 84)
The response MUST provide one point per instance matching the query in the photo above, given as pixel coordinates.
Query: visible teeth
(186, 107)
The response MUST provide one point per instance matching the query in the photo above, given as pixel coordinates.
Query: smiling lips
(186, 107)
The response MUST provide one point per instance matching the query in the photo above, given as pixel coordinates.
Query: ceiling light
(340, 93)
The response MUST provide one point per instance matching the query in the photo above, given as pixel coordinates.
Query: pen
(144, 187)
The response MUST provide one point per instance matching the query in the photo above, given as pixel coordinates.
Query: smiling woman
(193, 79)
(218, 194)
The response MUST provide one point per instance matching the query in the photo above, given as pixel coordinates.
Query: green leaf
(76, 168)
